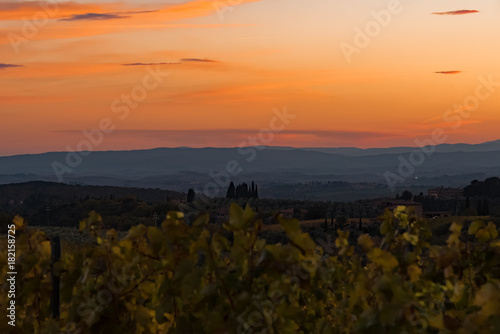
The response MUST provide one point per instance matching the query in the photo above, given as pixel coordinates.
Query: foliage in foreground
(181, 278)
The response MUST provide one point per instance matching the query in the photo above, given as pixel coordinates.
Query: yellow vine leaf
(382, 258)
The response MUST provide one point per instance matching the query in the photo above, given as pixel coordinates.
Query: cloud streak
(198, 60)
(203, 134)
(4, 66)
(448, 72)
(95, 16)
(105, 16)
(16, 10)
(183, 60)
(148, 64)
(457, 12)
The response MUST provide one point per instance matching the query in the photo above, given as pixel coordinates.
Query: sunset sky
(230, 63)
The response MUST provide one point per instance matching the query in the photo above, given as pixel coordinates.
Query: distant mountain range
(443, 148)
(181, 168)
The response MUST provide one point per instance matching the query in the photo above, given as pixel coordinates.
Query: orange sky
(230, 63)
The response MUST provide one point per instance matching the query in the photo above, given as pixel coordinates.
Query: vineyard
(188, 278)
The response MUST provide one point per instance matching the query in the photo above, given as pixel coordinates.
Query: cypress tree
(231, 191)
(190, 196)
(486, 208)
(243, 190)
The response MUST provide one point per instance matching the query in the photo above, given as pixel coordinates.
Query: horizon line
(235, 147)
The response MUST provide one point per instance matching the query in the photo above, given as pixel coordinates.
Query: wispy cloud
(457, 110)
(448, 72)
(105, 16)
(141, 11)
(148, 64)
(457, 12)
(183, 60)
(10, 5)
(104, 13)
(340, 134)
(95, 16)
(167, 134)
(198, 60)
(16, 10)
(4, 66)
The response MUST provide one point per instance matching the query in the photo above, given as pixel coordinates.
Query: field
(193, 279)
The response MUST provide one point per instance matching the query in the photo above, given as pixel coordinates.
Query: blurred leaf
(156, 238)
(475, 226)
(365, 242)
(382, 258)
(136, 232)
(414, 272)
(19, 222)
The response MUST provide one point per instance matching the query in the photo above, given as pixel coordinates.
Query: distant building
(442, 192)
(222, 215)
(392, 204)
